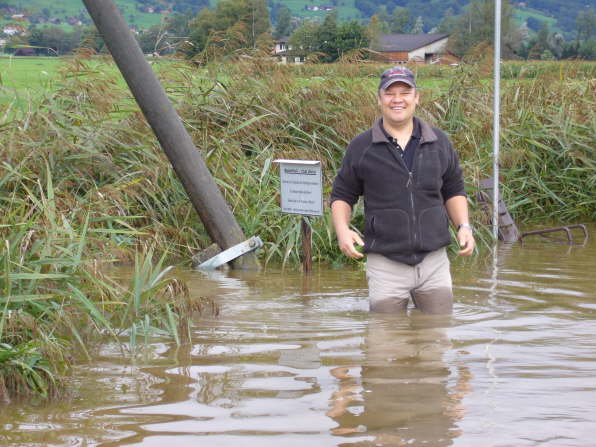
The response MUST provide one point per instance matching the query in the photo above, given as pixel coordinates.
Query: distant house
(25, 51)
(74, 21)
(281, 45)
(283, 52)
(319, 8)
(11, 30)
(419, 48)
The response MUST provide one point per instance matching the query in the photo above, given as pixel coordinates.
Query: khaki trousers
(391, 284)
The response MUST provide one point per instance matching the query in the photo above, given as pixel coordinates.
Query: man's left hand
(465, 237)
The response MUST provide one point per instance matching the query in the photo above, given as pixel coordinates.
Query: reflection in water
(299, 361)
(399, 394)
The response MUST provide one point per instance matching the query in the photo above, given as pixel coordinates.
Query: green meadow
(345, 9)
(521, 15)
(24, 80)
(73, 8)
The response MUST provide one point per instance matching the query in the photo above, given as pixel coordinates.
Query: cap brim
(389, 82)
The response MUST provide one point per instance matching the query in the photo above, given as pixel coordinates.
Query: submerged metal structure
(185, 158)
(507, 229)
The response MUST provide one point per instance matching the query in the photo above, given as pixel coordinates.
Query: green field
(73, 8)
(69, 8)
(345, 9)
(521, 15)
(23, 80)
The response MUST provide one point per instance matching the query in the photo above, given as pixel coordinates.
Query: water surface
(299, 361)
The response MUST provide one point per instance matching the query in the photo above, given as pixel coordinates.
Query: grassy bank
(84, 184)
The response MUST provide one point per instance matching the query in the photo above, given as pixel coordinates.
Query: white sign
(301, 187)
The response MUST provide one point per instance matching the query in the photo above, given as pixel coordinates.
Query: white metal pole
(496, 116)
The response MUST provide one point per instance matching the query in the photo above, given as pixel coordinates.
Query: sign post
(302, 194)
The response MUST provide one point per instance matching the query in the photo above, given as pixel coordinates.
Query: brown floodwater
(299, 361)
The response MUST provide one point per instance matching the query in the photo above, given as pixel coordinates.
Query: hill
(560, 14)
(138, 13)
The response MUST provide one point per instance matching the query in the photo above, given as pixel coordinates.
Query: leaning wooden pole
(169, 130)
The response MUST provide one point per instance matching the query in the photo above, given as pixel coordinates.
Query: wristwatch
(464, 225)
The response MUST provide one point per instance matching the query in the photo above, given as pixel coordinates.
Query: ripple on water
(299, 361)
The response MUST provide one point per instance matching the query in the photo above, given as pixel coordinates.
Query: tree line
(249, 26)
(564, 12)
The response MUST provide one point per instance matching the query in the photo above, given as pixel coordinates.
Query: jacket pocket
(429, 170)
(388, 231)
(434, 228)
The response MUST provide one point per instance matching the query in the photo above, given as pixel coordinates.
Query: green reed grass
(56, 300)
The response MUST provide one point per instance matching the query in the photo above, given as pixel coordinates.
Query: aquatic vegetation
(58, 302)
(84, 185)
(58, 307)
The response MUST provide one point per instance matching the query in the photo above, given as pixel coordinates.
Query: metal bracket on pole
(232, 253)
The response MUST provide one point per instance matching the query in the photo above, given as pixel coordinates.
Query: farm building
(419, 48)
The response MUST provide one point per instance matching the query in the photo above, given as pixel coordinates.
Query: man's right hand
(346, 240)
(340, 214)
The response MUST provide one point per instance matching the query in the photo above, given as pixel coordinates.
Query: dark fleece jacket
(404, 210)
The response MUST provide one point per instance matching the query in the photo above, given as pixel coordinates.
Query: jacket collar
(428, 134)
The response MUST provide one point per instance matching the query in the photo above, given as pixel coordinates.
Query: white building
(283, 51)
(421, 48)
(12, 30)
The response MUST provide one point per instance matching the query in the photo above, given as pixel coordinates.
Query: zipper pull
(409, 179)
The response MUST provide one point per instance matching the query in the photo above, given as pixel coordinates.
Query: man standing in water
(411, 181)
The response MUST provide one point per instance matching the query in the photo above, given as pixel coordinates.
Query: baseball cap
(397, 74)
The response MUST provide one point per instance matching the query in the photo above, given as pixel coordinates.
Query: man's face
(398, 103)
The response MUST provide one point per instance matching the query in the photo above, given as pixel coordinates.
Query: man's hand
(346, 240)
(465, 237)
(457, 208)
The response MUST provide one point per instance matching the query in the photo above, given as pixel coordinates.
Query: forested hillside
(560, 14)
(214, 28)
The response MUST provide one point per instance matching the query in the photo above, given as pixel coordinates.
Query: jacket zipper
(411, 187)
(372, 227)
(419, 155)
